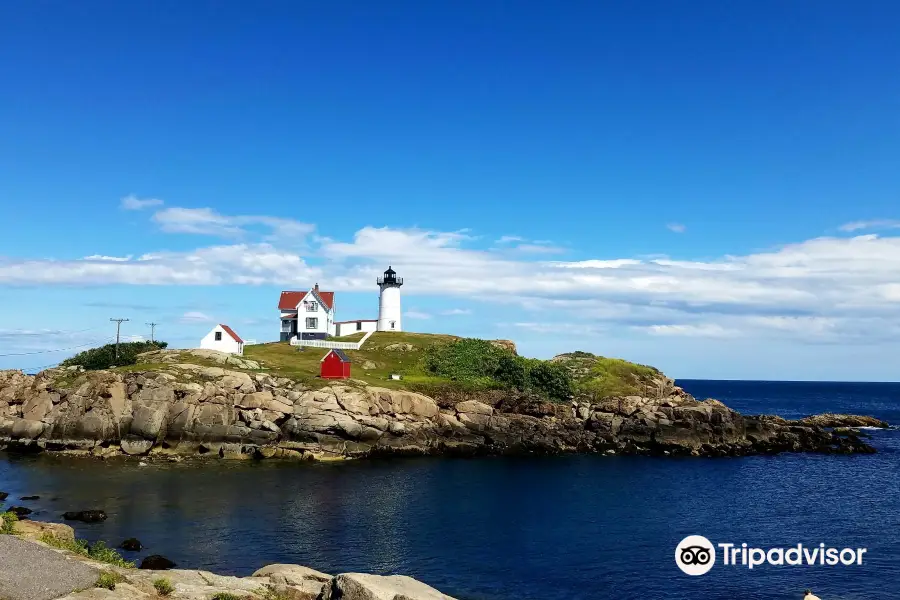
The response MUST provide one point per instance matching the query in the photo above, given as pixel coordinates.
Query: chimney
(316, 288)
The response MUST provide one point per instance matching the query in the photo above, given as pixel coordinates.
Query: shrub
(163, 586)
(108, 580)
(551, 380)
(474, 361)
(227, 596)
(97, 551)
(104, 357)
(9, 523)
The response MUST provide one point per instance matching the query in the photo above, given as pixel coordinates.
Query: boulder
(156, 562)
(86, 516)
(360, 586)
(31, 498)
(148, 420)
(19, 511)
(265, 400)
(473, 406)
(4, 495)
(131, 544)
(294, 581)
(135, 445)
(27, 429)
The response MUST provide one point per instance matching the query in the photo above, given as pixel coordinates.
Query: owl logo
(695, 555)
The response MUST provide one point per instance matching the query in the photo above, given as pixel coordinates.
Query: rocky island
(269, 404)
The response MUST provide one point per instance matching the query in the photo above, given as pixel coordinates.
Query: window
(312, 323)
(286, 325)
(218, 336)
(311, 306)
(359, 325)
(392, 324)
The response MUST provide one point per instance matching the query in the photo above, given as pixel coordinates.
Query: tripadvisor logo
(696, 555)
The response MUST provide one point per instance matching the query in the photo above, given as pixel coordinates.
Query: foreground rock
(31, 570)
(189, 409)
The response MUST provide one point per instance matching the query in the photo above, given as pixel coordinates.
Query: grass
(9, 523)
(285, 360)
(602, 377)
(270, 593)
(109, 579)
(227, 596)
(97, 551)
(163, 586)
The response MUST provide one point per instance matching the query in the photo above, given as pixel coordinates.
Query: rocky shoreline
(186, 409)
(56, 573)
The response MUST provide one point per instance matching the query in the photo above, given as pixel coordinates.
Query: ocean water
(532, 528)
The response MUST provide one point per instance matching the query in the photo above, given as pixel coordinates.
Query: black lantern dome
(390, 278)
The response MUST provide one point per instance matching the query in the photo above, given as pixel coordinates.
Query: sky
(707, 187)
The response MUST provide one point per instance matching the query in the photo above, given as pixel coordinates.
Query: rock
(35, 530)
(86, 516)
(20, 511)
(294, 581)
(266, 401)
(400, 347)
(132, 545)
(473, 406)
(148, 421)
(156, 562)
(368, 365)
(4, 495)
(505, 345)
(837, 420)
(31, 498)
(25, 428)
(360, 586)
(135, 446)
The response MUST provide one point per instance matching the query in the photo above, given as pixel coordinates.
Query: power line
(48, 351)
(152, 330)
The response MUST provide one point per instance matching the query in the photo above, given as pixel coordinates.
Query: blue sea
(531, 528)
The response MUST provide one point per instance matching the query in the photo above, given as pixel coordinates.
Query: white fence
(296, 341)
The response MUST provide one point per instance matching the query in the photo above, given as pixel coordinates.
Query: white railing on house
(296, 341)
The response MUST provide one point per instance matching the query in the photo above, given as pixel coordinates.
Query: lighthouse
(389, 301)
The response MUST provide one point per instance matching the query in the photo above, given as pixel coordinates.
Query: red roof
(290, 300)
(231, 332)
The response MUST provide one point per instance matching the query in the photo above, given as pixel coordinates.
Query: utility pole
(118, 323)
(152, 330)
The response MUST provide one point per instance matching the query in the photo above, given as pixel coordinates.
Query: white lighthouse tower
(389, 301)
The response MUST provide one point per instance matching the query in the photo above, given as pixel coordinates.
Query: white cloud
(676, 227)
(195, 316)
(206, 221)
(101, 257)
(132, 202)
(509, 239)
(538, 249)
(456, 311)
(822, 289)
(415, 314)
(871, 224)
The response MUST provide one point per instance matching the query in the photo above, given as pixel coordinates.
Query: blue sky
(708, 187)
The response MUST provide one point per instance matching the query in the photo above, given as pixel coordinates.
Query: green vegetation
(97, 551)
(227, 596)
(9, 523)
(109, 579)
(163, 586)
(270, 593)
(104, 357)
(482, 363)
(601, 377)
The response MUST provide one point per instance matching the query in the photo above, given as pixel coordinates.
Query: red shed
(335, 365)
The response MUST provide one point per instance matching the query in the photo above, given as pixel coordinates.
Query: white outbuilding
(224, 339)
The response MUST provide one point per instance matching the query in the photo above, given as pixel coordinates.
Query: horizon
(709, 190)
